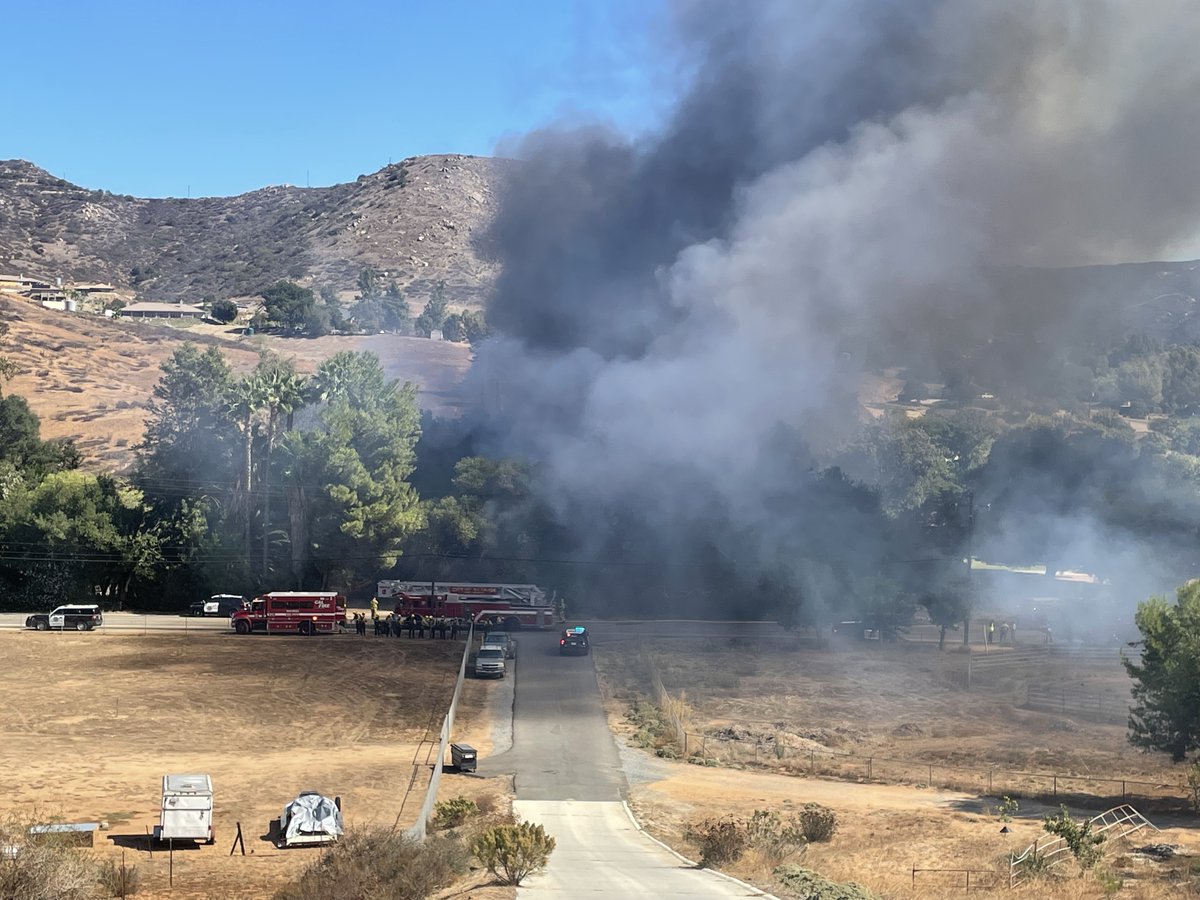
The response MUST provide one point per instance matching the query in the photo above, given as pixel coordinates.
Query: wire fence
(668, 707)
(780, 753)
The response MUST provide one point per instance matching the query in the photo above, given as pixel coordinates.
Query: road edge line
(754, 891)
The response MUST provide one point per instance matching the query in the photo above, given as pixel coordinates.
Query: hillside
(419, 220)
(89, 378)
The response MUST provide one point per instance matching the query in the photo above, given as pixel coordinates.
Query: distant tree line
(378, 307)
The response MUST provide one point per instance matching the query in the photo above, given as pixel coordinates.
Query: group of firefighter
(394, 625)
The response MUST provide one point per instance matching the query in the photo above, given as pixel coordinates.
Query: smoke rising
(684, 316)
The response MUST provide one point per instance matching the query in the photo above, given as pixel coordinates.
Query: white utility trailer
(187, 809)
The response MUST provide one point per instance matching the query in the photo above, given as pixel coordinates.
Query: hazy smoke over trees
(836, 190)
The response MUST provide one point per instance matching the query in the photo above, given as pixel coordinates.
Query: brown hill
(89, 378)
(419, 220)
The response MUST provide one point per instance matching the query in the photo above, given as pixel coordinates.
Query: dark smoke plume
(837, 190)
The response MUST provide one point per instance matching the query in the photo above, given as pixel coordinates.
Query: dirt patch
(92, 722)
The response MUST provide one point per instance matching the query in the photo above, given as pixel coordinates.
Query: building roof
(149, 307)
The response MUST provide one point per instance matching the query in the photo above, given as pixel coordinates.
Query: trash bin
(463, 757)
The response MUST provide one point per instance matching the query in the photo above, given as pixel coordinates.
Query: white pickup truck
(489, 661)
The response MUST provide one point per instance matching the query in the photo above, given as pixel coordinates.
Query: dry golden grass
(889, 703)
(92, 722)
(89, 378)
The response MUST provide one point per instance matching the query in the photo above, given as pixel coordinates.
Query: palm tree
(283, 392)
(244, 401)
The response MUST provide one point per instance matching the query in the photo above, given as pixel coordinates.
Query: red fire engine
(514, 606)
(292, 612)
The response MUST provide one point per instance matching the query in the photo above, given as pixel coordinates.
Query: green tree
(282, 393)
(293, 308)
(475, 325)
(224, 311)
(948, 601)
(396, 313)
(367, 314)
(21, 444)
(244, 399)
(453, 328)
(368, 283)
(434, 315)
(907, 464)
(1166, 690)
(84, 529)
(350, 503)
(1181, 381)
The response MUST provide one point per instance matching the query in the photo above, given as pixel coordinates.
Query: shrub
(119, 881)
(380, 863)
(1007, 808)
(774, 838)
(511, 852)
(453, 812)
(720, 841)
(1110, 882)
(805, 883)
(1085, 846)
(42, 870)
(817, 823)
(486, 804)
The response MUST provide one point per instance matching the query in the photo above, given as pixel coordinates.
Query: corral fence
(983, 669)
(418, 830)
(1113, 824)
(778, 753)
(1102, 706)
(968, 878)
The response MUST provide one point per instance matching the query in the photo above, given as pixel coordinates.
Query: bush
(774, 838)
(511, 852)
(384, 864)
(453, 812)
(810, 885)
(42, 870)
(119, 881)
(817, 823)
(720, 841)
(1086, 847)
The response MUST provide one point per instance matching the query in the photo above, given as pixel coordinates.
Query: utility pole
(970, 558)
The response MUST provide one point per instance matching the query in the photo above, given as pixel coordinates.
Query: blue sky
(213, 98)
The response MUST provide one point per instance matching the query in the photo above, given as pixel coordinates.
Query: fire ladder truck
(513, 606)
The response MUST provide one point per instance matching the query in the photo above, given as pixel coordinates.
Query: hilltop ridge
(421, 220)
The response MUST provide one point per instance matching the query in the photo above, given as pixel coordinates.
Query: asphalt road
(568, 778)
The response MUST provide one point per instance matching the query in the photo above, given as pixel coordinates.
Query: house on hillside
(51, 298)
(23, 283)
(161, 311)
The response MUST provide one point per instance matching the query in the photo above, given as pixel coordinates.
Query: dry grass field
(883, 736)
(92, 722)
(89, 378)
